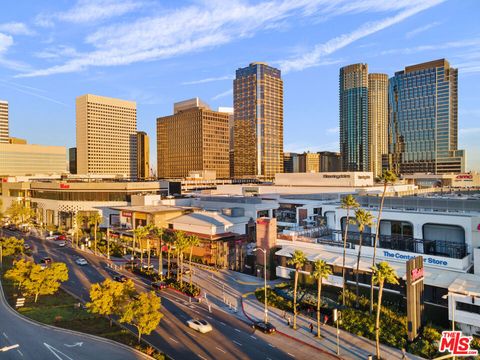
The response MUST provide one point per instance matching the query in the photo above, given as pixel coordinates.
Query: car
(46, 260)
(62, 237)
(81, 261)
(51, 237)
(267, 328)
(26, 246)
(159, 285)
(62, 243)
(199, 325)
(119, 278)
(147, 267)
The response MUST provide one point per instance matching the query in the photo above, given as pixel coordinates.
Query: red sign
(456, 344)
(417, 274)
(127, 214)
(464, 177)
(64, 186)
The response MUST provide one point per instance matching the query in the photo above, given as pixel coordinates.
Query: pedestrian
(311, 328)
(288, 321)
(325, 320)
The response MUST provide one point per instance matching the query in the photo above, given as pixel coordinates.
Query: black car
(159, 285)
(46, 260)
(267, 328)
(119, 278)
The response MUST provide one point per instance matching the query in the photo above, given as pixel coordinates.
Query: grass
(63, 310)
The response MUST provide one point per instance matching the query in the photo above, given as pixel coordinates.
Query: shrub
(185, 288)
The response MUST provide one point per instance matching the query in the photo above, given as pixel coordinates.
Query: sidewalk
(351, 346)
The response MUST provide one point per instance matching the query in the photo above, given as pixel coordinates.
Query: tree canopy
(45, 281)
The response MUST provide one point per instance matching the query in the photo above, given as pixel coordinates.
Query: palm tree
(298, 260)
(193, 241)
(382, 273)
(363, 218)
(388, 177)
(321, 271)
(158, 233)
(180, 245)
(169, 239)
(348, 203)
(79, 220)
(94, 220)
(140, 233)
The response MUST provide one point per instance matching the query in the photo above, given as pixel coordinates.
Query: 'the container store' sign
(426, 260)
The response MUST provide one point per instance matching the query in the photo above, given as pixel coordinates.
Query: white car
(81, 261)
(199, 325)
(61, 243)
(52, 237)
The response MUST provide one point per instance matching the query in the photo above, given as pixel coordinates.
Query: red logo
(64, 186)
(417, 274)
(456, 344)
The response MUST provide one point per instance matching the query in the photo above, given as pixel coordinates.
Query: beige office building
(143, 155)
(377, 120)
(25, 159)
(309, 162)
(4, 133)
(193, 138)
(106, 136)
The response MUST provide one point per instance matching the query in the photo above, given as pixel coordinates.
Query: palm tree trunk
(36, 297)
(375, 244)
(168, 260)
(178, 266)
(319, 304)
(148, 254)
(141, 250)
(160, 260)
(95, 238)
(344, 256)
(358, 266)
(181, 268)
(191, 270)
(295, 301)
(377, 320)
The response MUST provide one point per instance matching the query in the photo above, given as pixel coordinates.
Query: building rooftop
(209, 218)
(152, 209)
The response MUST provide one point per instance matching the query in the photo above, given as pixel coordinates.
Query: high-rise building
(72, 160)
(258, 132)
(377, 120)
(143, 155)
(309, 162)
(4, 133)
(290, 162)
(106, 136)
(194, 138)
(423, 128)
(330, 161)
(354, 126)
(231, 123)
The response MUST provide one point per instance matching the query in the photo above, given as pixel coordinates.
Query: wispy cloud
(334, 130)
(207, 80)
(421, 29)
(320, 51)
(29, 90)
(5, 42)
(57, 52)
(16, 28)
(433, 47)
(223, 94)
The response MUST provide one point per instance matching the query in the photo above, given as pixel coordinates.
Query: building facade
(377, 120)
(290, 162)
(4, 132)
(354, 126)
(423, 129)
(193, 138)
(106, 135)
(258, 111)
(309, 162)
(330, 161)
(143, 155)
(72, 160)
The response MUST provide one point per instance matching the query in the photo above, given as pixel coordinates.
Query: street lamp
(265, 319)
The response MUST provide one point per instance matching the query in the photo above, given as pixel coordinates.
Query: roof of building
(152, 209)
(209, 218)
(466, 284)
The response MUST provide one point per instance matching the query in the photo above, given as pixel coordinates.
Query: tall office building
(106, 136)
(377, 120)
(193, 138)
(258, 128)
(423, 129)
(143, 155)
(330, 161)
(309, 162)
(354, 126)
(231, 123)
(4, 133)
(72, 160)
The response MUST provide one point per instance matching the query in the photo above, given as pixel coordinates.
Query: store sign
(417, 274)
(64, 186)
(464, 177)
(127, 214)
(336, 176)
(430, 260)
(414, 292)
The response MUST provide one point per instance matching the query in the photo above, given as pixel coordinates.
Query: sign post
(415, 306)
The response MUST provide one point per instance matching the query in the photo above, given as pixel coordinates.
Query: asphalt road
(231, 337)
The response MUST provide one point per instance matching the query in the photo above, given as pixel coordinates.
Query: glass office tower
(423, 121)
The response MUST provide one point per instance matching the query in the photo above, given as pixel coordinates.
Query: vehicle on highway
(159, 285)
(119, 277)
(147, 267)
(61, 237)
(267, 328)
(62, 243)
(81, 261)
(51, 237)
(26, 246)
(199, 325)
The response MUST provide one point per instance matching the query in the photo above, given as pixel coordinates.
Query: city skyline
(45, 48)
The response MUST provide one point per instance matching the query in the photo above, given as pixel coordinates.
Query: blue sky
(159, 52)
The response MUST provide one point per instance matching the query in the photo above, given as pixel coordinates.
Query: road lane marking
(76, 344)
(21, 354)
(6, 337)
(236, 342)
(209, 317)
(253, 337)
(193, 335)
(175, 341)
(237, 330)
(216, 347)
(221, 322)
(56, 352)
(201, 357)
(291, 354)
(271, 345)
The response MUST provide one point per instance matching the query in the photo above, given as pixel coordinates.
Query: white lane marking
(192, 335)
(271, 345)
(201, 357)
(6, 337)
(216, 347)
(175, 341)
(221, 322)
(21, 354)
(237, 330)
(253, 337)
(76, 344)
(236, 342)
(209, 317)
(268, 358)
(56, 352)
(291, 354)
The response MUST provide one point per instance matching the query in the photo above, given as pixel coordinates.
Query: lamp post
(265, 319)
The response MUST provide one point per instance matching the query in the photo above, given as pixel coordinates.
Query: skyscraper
(423, 129)
(4, 133)
(231, 123)
(72, 160)
(143, 155)
(377, 120)
(193, 138)
(354, 126)
(309, 162)
(258, 128)
(106, 136)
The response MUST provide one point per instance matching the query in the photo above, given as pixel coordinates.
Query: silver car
(199, 325)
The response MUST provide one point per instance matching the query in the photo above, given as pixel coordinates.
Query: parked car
(159, 285)
(119, 278)
(61, 237)
(199, 325)
(267, 328)
(62, 243)
(81, 261)
(51, 237)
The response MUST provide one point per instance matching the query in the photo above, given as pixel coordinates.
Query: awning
(466, 284)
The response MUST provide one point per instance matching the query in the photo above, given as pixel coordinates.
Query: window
(471, 308)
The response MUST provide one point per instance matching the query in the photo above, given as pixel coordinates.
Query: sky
(160, 52)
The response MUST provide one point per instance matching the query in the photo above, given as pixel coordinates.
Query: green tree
(20, 272)
(388, 177)
(298, 260)
(143, 313)
(140, 234)
(95, 220)
(45, 281)
(79, 221)
(181, 244)
(20, 214)
(321, 271)
(363, 218)
(10, 246)
(109, 297)
(193, 241)
(348, 203)
(158, 233)
(169, 239)
(382, 273)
